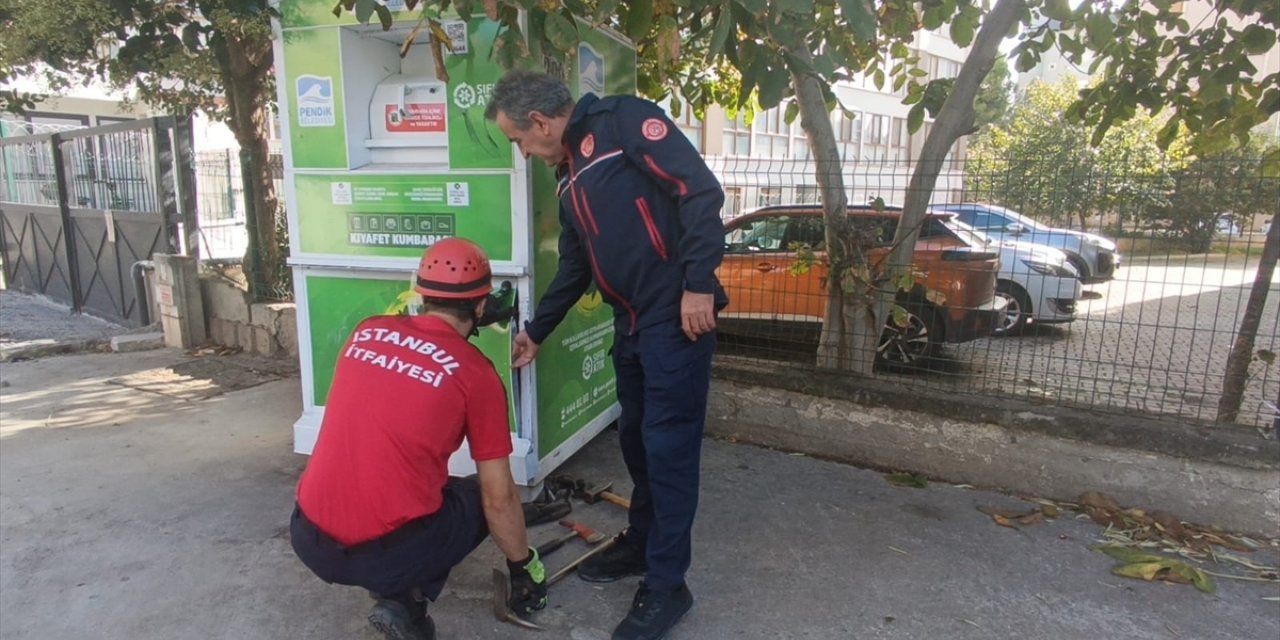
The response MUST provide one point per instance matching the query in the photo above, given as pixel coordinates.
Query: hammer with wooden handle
(588, 535)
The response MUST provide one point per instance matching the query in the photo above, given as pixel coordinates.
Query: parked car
(1093, 256)
(1038, 283)
(953, 299)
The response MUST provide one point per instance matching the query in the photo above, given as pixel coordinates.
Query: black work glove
(528, 584)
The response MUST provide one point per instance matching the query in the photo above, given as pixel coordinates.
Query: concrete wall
(268, 329)
(1217, 476)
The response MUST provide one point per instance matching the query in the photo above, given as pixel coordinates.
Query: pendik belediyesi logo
(315, 101)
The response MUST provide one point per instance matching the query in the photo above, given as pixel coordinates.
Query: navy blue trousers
(418, 556)
(663, 380)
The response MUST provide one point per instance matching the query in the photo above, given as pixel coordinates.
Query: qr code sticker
(458, 41)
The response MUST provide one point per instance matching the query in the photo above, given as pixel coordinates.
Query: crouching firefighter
(376, 507)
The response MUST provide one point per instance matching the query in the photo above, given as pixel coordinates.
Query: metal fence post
(166, 192)
(68, 227)
(186, 173)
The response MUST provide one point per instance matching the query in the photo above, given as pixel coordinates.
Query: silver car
(1093, 256)
(1038, 283)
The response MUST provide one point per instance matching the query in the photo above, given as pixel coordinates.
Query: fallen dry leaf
(1003, 521)
(1005, 512)
(1049, 511)
(1098, 500)
(1033, 518)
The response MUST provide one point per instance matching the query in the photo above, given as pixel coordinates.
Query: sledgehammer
(593, 495)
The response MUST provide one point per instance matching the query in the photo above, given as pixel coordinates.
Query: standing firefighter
(640, 213)
(376, 507)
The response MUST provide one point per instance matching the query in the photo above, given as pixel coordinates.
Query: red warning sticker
(416, 118)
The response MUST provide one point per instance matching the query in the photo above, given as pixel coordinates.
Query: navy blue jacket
(639, 213)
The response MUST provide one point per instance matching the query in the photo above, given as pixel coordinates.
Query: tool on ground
(559, 575)
(588, 535)
(592, 495)
(503, 612)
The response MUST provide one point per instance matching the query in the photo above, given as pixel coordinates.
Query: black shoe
(653, 613)
(397, 622)
(624, 558)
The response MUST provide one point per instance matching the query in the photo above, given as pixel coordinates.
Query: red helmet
(454, 268)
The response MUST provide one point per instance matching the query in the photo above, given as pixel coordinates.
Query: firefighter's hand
(524, 351)
(697, 314)
(528, 585)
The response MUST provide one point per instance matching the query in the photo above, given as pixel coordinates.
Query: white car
(1095, 258)
(1038, 283)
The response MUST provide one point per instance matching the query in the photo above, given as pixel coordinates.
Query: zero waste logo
(315, 101)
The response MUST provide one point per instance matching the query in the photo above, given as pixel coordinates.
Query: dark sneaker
(653, 613)
(624, 558)
(394, 620)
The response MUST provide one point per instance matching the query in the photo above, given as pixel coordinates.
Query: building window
(689, 124)
(799, 142)
(769, 196)
(737, 137)
(807, 195)
(732, 203)
(848, 130)
(772, 135)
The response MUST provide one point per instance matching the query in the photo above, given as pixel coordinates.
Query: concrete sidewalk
(147, 495)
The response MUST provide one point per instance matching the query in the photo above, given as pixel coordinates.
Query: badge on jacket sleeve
(654, 129)
(588, 145)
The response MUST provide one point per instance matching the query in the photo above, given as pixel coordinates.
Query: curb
(32, 349)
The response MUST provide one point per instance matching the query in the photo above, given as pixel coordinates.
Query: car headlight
(1103, 243)
(1045, 268)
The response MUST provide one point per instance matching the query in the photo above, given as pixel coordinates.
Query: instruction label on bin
(400, 215)
(404, 230)
(417, 117)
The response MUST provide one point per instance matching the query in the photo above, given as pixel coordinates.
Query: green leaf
(364, 10)
(962, 31)
(772, 86)
(899, 316)
(1141, 570)
(905, 479)
(755, 7)
(191, 37)
(1057, 9)
(639, 20)
(465, 9)
(561, 32)
(1100, 29)
(1271, 164)
(792, 112)
(1266, 356)
(899, 50)
(898, 81)
(915, 118)
(1258, 39)
(904, 282)
(1126, 555)
(861, 17)
(384, 16)
(721, 33)
(605, 9)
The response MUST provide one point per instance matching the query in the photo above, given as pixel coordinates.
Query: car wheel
(911, 345)
(1017, 308)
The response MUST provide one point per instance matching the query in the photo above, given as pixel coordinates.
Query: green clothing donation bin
(382, 158)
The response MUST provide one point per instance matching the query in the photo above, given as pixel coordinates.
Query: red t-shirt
(405, 392)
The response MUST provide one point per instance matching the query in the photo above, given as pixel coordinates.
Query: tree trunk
(1242, 351)
(246, 64)
(955, 119)
(848, 340)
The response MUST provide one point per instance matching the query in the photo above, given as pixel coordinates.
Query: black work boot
(402, 618)
(653, 613)
(624, 558)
